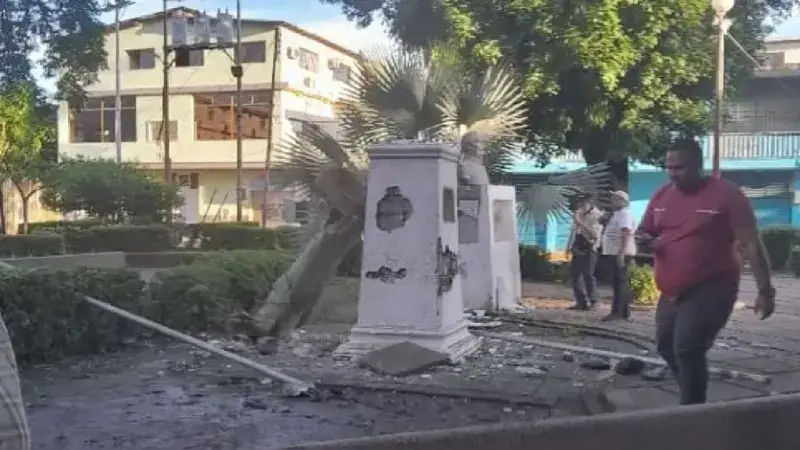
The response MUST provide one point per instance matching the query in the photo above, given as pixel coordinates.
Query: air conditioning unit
(334, 63)
(309, 82)
(292, 53)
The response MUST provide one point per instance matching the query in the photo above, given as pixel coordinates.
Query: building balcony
(739, 151)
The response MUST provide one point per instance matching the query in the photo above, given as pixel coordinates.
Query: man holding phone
(693, 224)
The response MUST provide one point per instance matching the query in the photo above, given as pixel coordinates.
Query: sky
(323, 19)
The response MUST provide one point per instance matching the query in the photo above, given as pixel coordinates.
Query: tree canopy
(67, 33)
(113, 192)
(611, 78)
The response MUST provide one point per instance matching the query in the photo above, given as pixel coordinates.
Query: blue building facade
(759, 151)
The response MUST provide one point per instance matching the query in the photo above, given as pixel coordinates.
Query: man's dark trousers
(621, 287)
(584, 285)
(686, 327)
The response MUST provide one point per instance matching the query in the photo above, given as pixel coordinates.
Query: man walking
(583, 243)
(694, 222)
(619, 248)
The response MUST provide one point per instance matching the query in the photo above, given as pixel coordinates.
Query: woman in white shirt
(584, 241)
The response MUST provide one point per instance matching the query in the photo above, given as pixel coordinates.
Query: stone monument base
(457, 342)
(488, 247)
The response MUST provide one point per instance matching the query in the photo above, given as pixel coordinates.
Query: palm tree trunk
(297, 292)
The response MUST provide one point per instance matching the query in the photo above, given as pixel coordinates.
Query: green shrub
(778, 242)
(23, 245)
(59, 226)
(120, 238)
(233, 236)
(201, 296)
(643, 284)
(160, 260)
(47, 317)
(535, 265)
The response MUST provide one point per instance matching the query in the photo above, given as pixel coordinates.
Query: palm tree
(394, 94)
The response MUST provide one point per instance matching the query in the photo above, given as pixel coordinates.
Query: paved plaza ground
(192, 399)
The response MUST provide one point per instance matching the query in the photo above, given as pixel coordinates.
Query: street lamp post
(721, 8)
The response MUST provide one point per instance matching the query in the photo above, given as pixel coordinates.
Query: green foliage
(233, 236)
(643, 285)
(120, 238)
(535, 265)
(47, 317)
(71, 32)
(60, 226)
(613, 79)
(203, 295)
(779, 242)
(24, 134)
(25, 245)
(111, 192)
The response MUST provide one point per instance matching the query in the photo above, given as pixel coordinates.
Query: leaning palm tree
(395, 94)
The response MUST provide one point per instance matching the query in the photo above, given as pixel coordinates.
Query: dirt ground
(171, 397)
(164, 395)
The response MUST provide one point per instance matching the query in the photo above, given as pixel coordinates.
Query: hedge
(120, 238)
(24, 245)
(47, 317)
(233, 236)
(779, 242)
(58, 226)
(203, 295)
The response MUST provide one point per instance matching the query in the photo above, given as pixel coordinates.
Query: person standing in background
(619, 248)
(583, 244)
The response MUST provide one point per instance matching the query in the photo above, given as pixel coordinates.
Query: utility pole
(721, 8)
(117, 86)
(268, 160)
(165, 101)
(236, 71)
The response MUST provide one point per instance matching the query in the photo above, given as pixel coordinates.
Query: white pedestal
(411, 271)
(488, 246)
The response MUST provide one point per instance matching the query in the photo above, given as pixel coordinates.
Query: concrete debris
(403, 359)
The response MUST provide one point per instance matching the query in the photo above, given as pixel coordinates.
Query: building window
(342, 73)
(93, 120)
(189, 58)
(254, 52)
(192, 180)
(155, 130)
(143, 58)
(308, 60)
(215, 115)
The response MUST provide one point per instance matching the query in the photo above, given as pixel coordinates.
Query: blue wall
(553, 234)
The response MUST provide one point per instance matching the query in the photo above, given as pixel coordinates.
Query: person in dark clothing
(583, 244)
(694, 223)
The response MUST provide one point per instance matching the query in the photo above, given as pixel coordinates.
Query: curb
(434, 391)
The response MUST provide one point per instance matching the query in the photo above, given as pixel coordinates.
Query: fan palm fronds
(491, 103)
(554, 197)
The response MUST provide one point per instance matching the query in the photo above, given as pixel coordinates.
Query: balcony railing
(756, 146)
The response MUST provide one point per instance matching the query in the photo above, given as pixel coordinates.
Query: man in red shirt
(693, 223)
